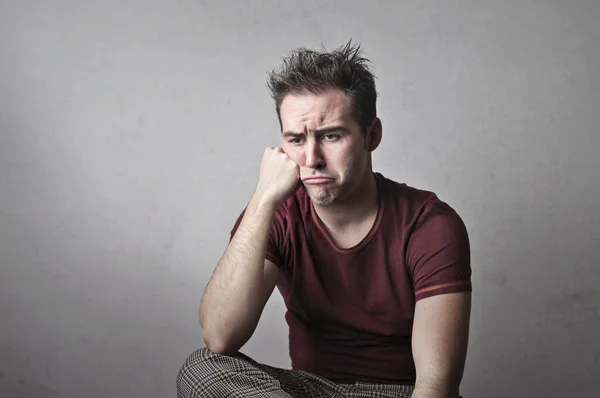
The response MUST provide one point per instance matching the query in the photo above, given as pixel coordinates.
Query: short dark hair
(345, 68)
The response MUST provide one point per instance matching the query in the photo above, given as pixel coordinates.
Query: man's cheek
(297, 158)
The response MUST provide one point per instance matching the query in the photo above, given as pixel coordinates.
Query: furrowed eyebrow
(331, 129)
(320, 131)
(291, 134)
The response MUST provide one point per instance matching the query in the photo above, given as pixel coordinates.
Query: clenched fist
(279, 177)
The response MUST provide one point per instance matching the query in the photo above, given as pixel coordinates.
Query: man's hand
(279, 177)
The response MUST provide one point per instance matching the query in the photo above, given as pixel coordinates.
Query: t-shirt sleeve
(273, 253)
(438, 252)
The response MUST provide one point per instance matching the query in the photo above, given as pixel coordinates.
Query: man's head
(309, 71)
(326, 104)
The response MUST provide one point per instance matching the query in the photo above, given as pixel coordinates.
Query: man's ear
(374, 133)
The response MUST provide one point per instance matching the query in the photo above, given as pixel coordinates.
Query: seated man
(375, 274)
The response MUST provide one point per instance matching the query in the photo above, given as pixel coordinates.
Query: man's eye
(331, 137)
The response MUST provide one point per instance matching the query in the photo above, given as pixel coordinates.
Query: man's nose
(314, 155)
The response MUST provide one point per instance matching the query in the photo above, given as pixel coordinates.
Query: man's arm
(243, 280)
(439, 344)
(242, 283)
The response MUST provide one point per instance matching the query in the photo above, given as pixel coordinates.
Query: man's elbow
(438, 386)
(222, 338)
(223, 341)
(220, 345)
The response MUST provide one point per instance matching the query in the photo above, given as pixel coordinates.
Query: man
(375, 274)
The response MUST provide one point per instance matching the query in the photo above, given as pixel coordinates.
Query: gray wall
(130, 139)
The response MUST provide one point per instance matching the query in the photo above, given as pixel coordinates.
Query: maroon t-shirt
(350, 311)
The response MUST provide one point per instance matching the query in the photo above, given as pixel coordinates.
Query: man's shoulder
(405, 194)
(415, 205)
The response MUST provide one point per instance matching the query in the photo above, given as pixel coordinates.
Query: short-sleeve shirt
(350, 311)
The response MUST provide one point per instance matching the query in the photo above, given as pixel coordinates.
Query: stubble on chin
(322, 196)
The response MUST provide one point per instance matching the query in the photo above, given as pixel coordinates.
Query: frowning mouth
(317, 180)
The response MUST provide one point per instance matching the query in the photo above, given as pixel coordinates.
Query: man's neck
(360, 206)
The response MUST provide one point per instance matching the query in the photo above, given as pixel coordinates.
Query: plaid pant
(206, 374)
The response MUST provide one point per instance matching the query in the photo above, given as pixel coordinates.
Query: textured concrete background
(131, 135)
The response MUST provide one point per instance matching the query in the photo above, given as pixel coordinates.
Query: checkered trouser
(206, 374)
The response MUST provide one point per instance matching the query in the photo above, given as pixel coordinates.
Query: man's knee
(198, 369)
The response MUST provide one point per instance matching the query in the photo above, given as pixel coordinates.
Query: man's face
(320, 135)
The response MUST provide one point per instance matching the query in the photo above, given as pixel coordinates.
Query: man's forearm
(233, 299)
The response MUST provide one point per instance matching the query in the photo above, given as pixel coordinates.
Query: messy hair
(345, 68)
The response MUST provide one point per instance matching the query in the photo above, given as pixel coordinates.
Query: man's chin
(321, 198)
